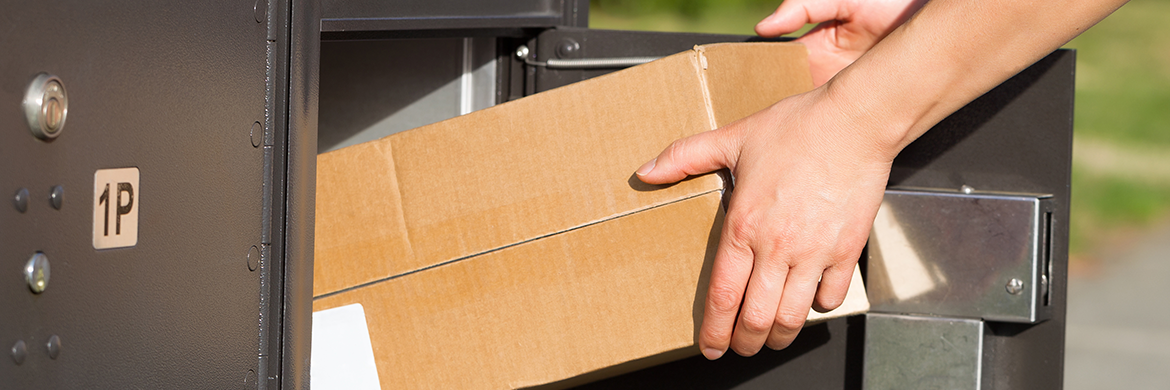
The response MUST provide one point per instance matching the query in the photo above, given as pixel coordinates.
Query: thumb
(695, 155)
(792, 15)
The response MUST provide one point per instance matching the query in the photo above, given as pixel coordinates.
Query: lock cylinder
(46, 106)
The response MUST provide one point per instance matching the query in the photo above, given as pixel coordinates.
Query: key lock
(45, 106)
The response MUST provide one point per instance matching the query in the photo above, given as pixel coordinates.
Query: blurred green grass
(1122, 102)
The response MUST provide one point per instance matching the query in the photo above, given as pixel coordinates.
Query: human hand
(846, 30)
(808, 185)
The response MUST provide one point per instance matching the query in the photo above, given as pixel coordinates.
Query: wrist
(865, 116)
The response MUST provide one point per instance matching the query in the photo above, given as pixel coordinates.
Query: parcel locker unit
(216, 108)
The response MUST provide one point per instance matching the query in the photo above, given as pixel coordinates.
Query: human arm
(810, 170)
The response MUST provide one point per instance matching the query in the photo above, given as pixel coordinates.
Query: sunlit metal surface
(906, 352)
(960, 255)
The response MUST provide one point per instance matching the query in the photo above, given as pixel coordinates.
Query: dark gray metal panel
(1015, 138)
(824, 356)
(372, 89)
(374, 15)
(608, 44)
(172, 89)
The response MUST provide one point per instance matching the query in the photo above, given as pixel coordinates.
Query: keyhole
(53, 114)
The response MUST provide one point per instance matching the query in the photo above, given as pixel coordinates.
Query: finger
(833, 287)
(792, 15)
(797, 298)
(729, 277)
(695, 155)
(825, 58)
(758, 312)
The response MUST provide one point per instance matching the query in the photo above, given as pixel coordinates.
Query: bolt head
(1015, 286)
(57, 197)
(20, 200)
(54, 346)
(36, 272)
(567, 48)
(19, 352)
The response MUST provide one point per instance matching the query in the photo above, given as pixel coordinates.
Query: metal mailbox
(215, 108)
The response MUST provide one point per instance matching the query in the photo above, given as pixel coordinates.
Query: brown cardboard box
(513, 247)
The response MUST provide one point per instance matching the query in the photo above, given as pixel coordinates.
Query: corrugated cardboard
(513, 246)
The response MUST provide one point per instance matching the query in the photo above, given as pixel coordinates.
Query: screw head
(36, 272)
(567, 48)
(46, 106)
(20, 200)
(1015, 286)
(19, 352)
(56, 196)
(522, 52)
(54, 347)
(966, 189)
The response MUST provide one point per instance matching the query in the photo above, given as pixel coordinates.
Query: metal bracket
(907, 352)
(966, 255)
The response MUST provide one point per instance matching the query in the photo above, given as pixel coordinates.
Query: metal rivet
(522, 52)
(19, 351)
(1015, 286)
(253, 258)
(966, 189)
(36, 272)
(56, 196)
(54, 346)
(260, 10)
(257, 133)
(20, 200)
(567, 48)
(46, 106)
(250, 379)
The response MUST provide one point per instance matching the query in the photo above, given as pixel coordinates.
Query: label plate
(115, 208)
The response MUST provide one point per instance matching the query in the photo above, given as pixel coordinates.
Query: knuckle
(789, 321)
(755, 322)
(740, 228)
(716, 335)
(723, 299)
(676, 151)
(777, 243)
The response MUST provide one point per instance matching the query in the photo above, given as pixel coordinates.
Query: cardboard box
(513, 246)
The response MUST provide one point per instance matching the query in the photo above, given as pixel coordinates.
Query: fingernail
(712, 353)
(646, 168)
